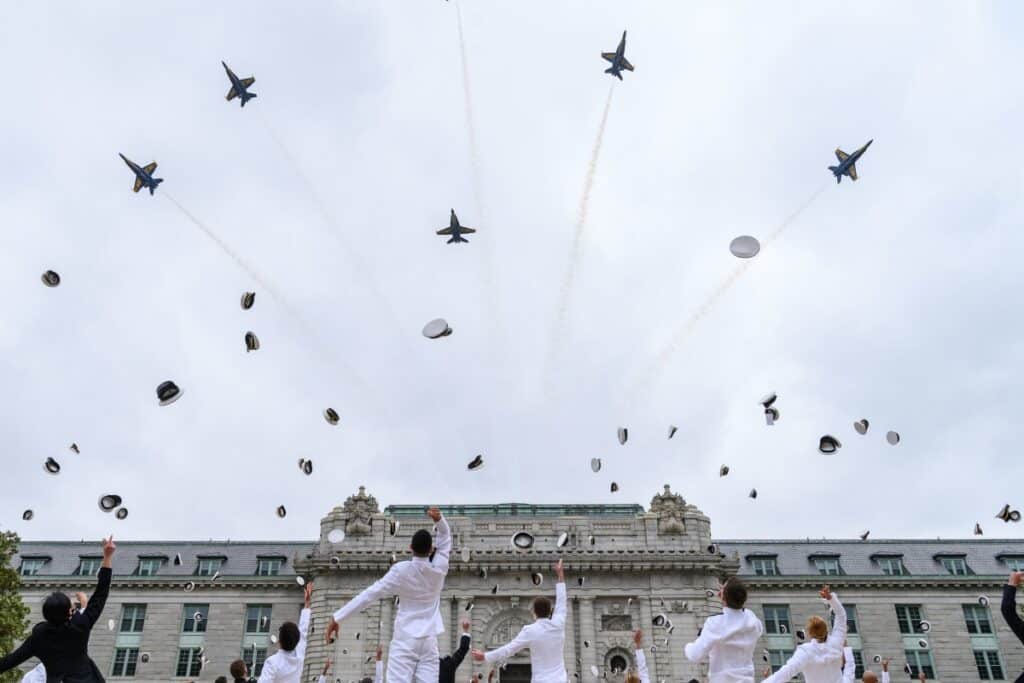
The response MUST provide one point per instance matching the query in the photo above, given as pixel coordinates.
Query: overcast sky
(895, 298)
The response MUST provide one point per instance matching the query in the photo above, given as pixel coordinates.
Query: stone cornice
(840, 583)
(178, 583)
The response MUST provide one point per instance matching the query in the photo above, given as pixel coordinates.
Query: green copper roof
(519, 510)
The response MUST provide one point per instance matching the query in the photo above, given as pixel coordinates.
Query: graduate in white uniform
(728, 639)
(417, 582)
(640, 675)
(545, 637)
(849, 665)
(36, 675)
(820, 658)
(285, 665)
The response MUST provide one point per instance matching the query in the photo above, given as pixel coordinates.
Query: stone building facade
(626, 568)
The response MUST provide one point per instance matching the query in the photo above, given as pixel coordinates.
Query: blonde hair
(632, 677)
(817, 629)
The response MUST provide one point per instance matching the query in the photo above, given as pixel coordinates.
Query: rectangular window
(920, 660)
(828, 566)
(190, 622)
(909, 617)
(190, 662)
(616, 622)
(254, 657)
(978, 621)
(851, 619)
(778, 658)
(892, 566)
(1015, 563)
(88, 566)
(133, 618)
(989, 666)
(30, 566)
(858, 660)
(257, 618)
(208, 566)
(125, 659)
(148, 566)
(776, 619)
(269, 566)
(957, 566)
(764, 566)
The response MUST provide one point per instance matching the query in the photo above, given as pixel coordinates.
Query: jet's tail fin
(614, 72)
(456, 238)
(152, 188)
(247, 96)
(836, 173)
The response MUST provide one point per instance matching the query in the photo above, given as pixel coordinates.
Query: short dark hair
(421, 543)
(221, 679)
(288, 636)
(735, 593)
(541, 608)
(57, 608)
(238, 669)
(366, 680)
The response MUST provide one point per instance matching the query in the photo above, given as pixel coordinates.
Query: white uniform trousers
(413, 659)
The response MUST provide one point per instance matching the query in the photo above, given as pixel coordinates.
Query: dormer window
(827, 565)
(208, 566)
(954, 564)
(764, 565)
(891, 565)
(88, 566)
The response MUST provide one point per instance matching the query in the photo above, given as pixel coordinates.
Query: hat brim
(171, 399)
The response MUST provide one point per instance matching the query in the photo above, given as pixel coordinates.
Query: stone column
(646, 615)
(570, 639)
(588, 631)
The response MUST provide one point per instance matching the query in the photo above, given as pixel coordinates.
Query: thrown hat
(1008, 515)
(861, 426)
(581, 580)
(307, 467)
(922, 643)
(50, 278)
(744, 246)
(592, 539)
(659, 619)
(144, 658)
(482, 573)
(594, 670)
(829, 444)
(27, 515)
(764, 655)
(800, 635)
(494, 589)
(977, 529)
(623, 434)
(783, 628)
(331, 415)
(299, 580)
(723, 470)
(168, 392)
(768, 399)
(876, 659)
(907, 670)
(771, 416)
(892, 437)
(111, 623)
(614, 487)
(248, 299)
(190, 586)
(537, 578)
(595, 464)
(436, 328)
(563, 538)
(586, 643)
(476, 463)
(925, 626)
(252, 342)
(864, 534)
(710, 593)
(336, 535)
(121, 513)
(51, 466)
(672, 429)
(522, 540)
(469, 605)
(983, 600)
(712, 549)
(753, 493)
(177, 559)
(281, 511)
(74, 448)
(393, 526)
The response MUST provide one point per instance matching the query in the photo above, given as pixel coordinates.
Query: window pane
(257, 619)
(31, 567)
(133, 618)
(858, 660)
(776, 618)
(909, 617)
(192, 625)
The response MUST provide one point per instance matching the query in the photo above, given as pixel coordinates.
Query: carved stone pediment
(669, 507)
(359, 510)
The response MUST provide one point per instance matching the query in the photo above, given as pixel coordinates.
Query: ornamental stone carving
(670, 508)
(359, 510)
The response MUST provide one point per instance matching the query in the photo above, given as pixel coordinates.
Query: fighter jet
(143, 175)
(847, 163)
(618, 59)
(238, 86)
(455, 230)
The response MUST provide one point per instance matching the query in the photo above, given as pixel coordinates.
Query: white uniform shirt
(849, 666)
(417, 583)
(641, 667)
(546, 640)
(728, 641)
(286, 667)
(36, 675)
(819, 662)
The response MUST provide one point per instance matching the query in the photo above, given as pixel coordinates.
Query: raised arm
(698, 649)
(849, 666)
(463, 649)
(384, 586)
(508, 649)
(19, 656)
(98, 600)
(1009, 605)
(300, 649)
(641, 660)
(790, 669)
(561, 599)
(839, 625)
(442, 541)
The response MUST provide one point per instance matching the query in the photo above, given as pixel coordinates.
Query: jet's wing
(138, 185)
(852, 171)
(841, 155)
(149, 168)
(467, 230)
(246, 82)
(626, 65)
(610, 56)
(446, 231)
(232, 94)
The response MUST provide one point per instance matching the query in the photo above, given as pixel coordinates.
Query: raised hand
(826, 592)
(885, 664)
(327, 666)
(1015, 579)
(478, 655)
(82, 599)
(638, 637)
(559, 572)
(380, 652)
(308, 593)
(332, 631)
(108, 550)
(465, 626)
(435, 514)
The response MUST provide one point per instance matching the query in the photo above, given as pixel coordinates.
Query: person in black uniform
(446, 672)
(61, 642)
(1009, 609)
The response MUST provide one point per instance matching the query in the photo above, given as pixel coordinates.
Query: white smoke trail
(576, 250)
(683, 331)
